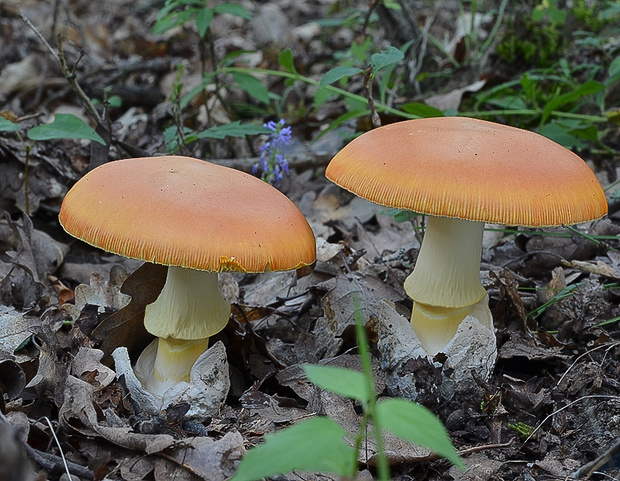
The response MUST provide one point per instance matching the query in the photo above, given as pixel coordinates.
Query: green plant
(176, 13)
(318, 444)
(552, 101)
(64, 126)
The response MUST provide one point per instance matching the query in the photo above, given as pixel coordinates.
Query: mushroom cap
(186, 212)
(470, 169)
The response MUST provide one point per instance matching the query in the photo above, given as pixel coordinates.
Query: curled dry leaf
(346, 294)
(78, 415)
(126, 326)
(87, 361)
(12, 379)
(204, 458)
(98, 293)
(14, 331)
(13, 434)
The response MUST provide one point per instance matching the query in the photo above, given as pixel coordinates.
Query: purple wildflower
(271, 162)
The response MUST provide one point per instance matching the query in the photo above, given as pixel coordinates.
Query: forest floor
(552, 402)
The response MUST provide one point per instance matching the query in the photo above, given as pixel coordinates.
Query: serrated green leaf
(341, 381)
(233, 129)
(235, 9)
(7, 126)
(203, 20)
(64, 126)
(337, 73)
(287, 61)
(321, 95)
(252, 86)
(387, 57)
(314, 445)
(115, 101)
(418, 425)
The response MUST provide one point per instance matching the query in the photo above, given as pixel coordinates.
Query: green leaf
(172, 138)
(7, 126)
(347, 116)
(115, 101)
(186, 99)
(252, 86)
(337, 73)
(508, 102)
(588, 88)
(203, 21)
(314, 445)
(418, 425)
(235, 9)
(322, 95)
(614, 68)
(287, 61)
(173, 20)
(387, 57)
(341, 381)
(421, 110)
(64, 126)
(561, 135)
(233, 129)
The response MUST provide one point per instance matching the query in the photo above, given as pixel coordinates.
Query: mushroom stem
(436, 326)
(189, 309)
(166, 362)
(445, 284)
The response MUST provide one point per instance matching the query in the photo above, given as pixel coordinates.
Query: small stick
(59, 57)
(374, 116)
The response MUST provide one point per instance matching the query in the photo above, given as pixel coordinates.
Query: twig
(582, 355)
(594, 396)
(612, 454)
(52, 462)
(374, 116)
(59, 57)
(467, 451)
(62, 455)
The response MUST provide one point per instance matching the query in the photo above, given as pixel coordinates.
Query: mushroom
(198, 218)
(463, 172)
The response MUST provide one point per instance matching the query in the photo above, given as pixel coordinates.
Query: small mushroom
(464, 172)
(198, 218)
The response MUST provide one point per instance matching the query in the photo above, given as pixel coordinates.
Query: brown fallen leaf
(598, 268)
(78, 415)
(346, 294)
(126, 326)
(202, 458)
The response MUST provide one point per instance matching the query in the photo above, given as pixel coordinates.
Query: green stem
(293, 76)
(383, 468)
(556, 113)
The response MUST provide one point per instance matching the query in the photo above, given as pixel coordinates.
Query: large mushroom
(463, 172)
(198, 218)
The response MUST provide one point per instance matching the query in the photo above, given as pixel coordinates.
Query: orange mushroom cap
(470, 169)
(186, 212)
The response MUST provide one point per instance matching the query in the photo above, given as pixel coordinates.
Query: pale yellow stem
(436, 326)
(167, 362)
